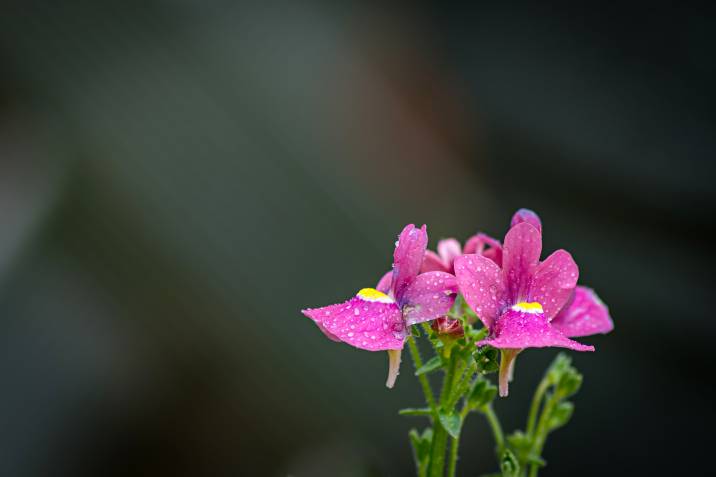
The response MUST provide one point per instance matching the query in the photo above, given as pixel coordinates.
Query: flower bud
(445, 326)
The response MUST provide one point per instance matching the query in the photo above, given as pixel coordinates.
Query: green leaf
(535, 459)
(560, 415)
(451, 422)
(569, 383)
(412, 411)
(521, 444)
(509, 465)
(431, 365)
(486, 358)
(421, 448)
(482, 393)
(560, 365)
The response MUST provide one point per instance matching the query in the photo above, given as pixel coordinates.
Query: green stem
(534, 407)
(458, 387)
(418, 362)
(437, 455)
(440, 435)
(455, 443)
(540, 435)
(465, 383)
(496, 427)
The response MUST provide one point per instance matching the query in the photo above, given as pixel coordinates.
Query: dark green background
(178, 180)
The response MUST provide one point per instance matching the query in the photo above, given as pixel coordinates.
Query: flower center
(531, 307)
(371, 294)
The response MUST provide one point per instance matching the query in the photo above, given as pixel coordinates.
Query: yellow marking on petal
(371, 294)
(531, 307)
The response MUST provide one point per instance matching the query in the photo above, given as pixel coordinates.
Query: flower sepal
(486, 358)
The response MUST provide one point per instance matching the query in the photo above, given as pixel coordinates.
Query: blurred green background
(178, 179)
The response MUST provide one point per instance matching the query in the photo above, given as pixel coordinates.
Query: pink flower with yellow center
(377, 319)
(528, 303)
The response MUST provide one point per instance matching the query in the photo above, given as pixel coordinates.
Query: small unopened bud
(445, 326)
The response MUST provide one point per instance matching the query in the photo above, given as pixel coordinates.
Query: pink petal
(483, 244)
(553, 282)
(477, 243)
(482, 285)
(494, 254)
(449, 249)
(408, 257)
(518, 330)
(433, 263)
(328, 334)
(369, 325)
(585, 315)
(472, 244)
(429, 296)
(529, 216)
(384, 283)
(520, 256)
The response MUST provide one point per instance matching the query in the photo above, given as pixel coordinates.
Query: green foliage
(487, 359)
(523, 447)
(421, 444)
(559, 366)
(520, 443)
(569, 383)
(482, 393)
(560, 415)
(550, 410)
(464, 367)
(431, 365)
(412, 411)
(451, 422)
(509, 465)
(563, 376)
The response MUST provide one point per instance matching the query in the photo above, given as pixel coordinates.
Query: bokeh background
(179, 178)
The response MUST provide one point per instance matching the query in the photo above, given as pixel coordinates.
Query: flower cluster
(522, 301)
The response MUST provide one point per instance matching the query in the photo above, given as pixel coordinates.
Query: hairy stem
(424, 383)
(440, 435)
(496, 427)
(534, 407)
(455, 443)
(540, 435)
(463, 384)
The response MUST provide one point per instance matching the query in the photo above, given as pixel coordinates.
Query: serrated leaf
(451, 422)
(560, 415)
(560, 365)
(486, 358)
(569, 383)
(509, 465)
(482, 393)
(519, 441)
(412, 411)
(421, 448)
(477, 390)
(431, 365)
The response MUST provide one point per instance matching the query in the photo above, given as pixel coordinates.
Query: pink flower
(449, 249)
(377, 319)
(526, 303)
(583, 315)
